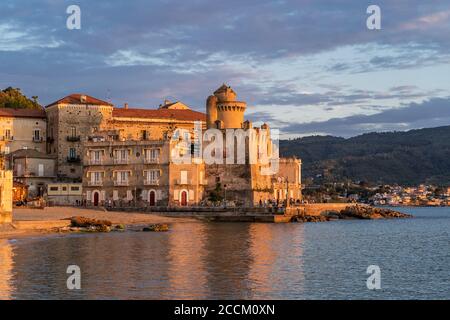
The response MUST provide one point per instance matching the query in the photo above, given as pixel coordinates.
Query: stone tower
(223, 111)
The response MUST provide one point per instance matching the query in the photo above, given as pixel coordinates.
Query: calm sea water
(239, 261)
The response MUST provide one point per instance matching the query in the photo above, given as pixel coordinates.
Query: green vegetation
(405, 158)
(13, 98)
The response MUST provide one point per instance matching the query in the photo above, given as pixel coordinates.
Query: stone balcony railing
(151, 182)
(38, 139)
(121, 161)
(73, 138)
(121, 183)
(151, 160)
(182, 182)
(97, 183)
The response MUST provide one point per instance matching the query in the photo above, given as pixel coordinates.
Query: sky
(306, 67)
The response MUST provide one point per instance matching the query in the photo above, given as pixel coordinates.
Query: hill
(13, 98)
(406, 158)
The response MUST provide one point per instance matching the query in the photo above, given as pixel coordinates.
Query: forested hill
(406, 158)
(13, 98)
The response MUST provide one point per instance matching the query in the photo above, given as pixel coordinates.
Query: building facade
(22, 129)
(70, 121)
(33, 169)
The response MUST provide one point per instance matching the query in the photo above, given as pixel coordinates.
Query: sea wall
(6, 184)
(316, 209)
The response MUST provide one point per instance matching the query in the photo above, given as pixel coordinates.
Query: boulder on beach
(158, 227)
(90, 225)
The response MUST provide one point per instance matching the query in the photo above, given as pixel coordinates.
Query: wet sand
(35, 222)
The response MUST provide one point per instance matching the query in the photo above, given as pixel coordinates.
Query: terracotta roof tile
(76, 99)
(178, 114)
(22, 113)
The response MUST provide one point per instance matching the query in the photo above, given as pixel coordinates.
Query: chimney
(125, 106)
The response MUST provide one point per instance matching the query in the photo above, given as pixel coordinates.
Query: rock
(367, 212)
(90, 225)
(308, 218)
(87, 222)
(158, 227)
(119, 227)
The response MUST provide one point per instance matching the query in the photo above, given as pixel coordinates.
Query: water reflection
(236, 261)
(6, 268)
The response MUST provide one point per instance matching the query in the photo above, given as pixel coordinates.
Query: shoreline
(48, 221)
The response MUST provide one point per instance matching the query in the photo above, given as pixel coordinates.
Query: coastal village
(83, 152)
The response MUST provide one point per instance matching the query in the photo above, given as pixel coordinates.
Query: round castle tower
(223, 111)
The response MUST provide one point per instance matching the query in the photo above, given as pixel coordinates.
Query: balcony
(5, 138)
(121, 183)
(183, 181)
(50, 139)
(38, 139)
(73, 138)
(151, 182)
(72, 159)
(121, 161)
(97, 183)
(203, 182)
(151, 160)
(94, 162)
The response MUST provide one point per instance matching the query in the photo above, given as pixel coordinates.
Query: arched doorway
(96, 198)
(152, 198)
(184, 198)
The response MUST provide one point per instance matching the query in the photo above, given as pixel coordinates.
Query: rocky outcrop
(367, 212)
(352, 212)
(87, 224)
(158, 227)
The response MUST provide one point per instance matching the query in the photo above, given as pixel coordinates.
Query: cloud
(15, 38)
(430, 113)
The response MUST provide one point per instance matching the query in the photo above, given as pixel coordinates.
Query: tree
(13, 98)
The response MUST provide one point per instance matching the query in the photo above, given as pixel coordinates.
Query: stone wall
(6, 183)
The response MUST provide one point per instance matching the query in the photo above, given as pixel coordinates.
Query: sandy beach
(35, 222)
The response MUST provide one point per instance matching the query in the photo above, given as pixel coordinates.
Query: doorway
(152, 198)
(184, 198)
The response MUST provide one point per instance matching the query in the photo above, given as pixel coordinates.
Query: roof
(177, 114)
(22, 113)
(30, 153)
(77, 99)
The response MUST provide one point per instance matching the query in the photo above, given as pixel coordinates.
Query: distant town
(389, 195)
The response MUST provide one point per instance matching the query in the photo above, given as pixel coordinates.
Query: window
(37, 135)
(153, 175)
(152, 154)
(123, 176)
(8, 134)
(54, 188)
(72, 153)
(73, 131)
(40, 170)
(96, 177)
(74, 188)
(144, 135)
(183, 177)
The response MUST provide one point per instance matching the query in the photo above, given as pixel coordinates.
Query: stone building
(124, 172)
(33, 169)
(252, 181)
(22, 129)
(70, 121)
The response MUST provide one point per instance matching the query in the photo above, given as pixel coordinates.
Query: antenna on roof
(108, 95)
